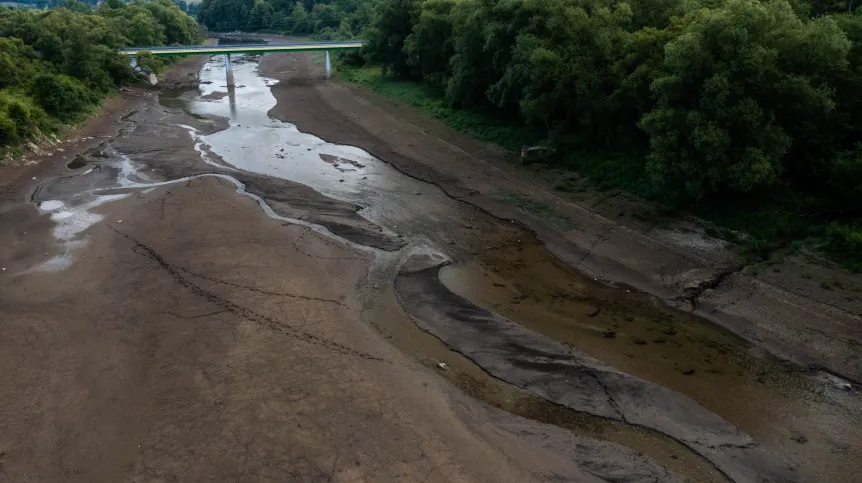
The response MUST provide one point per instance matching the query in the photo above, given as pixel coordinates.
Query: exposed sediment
(560, 374)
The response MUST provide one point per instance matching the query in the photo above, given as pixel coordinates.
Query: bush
(8, 133)
(62, 95)
(845, 242)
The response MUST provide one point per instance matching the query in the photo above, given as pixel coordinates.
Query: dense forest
(55, 65)
(745, 109)
(190, 8)
(340, 19)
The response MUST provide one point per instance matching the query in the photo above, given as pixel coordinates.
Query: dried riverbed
(512, 326)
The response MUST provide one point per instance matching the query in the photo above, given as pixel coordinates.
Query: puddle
(77, 163)
(71, 220)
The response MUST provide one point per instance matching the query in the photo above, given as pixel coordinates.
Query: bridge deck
(183, 50)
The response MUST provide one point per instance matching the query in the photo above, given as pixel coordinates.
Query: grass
(480, 125)
(760, 227)
(541, 210)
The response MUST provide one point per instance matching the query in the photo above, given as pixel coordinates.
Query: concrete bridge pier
(228, 70)
(328, 68)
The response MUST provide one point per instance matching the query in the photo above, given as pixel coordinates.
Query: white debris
(442, 365)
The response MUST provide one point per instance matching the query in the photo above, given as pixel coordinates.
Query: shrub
(845, 242)
(62, 95)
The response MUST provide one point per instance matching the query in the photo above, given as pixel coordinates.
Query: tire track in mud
(265, 321)
(258, 290)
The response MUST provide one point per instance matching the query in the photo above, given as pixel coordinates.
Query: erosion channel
(244, 287)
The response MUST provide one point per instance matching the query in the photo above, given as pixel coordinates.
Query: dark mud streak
(257, 290)
(263, 320)
(557, 373)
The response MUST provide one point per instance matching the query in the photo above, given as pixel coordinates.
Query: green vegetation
(541, 210)
(745, 112)
(338, 19)
(56, 65)
(481, 125)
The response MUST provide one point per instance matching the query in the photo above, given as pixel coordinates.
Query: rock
(442, 365)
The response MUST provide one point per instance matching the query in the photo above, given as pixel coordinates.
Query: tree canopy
(56, 64)
(710, 98)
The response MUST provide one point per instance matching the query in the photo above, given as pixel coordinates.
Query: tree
(323, 16)
(278, 21)
(385, 37)
(736, 84)
(299, 24)
(260, 15)
(62, 95)
(429, 45)
(76, 61)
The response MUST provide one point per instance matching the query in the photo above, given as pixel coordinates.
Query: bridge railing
(161, 48)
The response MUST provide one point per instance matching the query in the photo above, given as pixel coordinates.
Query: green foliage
(748, 112)
(428, 48)
(148, 62)
(61, 95)
(542, 210)
(20, 119)
(77, 62)
(845, 243)
(308, 17)
(385, 38)
(734, 88)
(481, 125)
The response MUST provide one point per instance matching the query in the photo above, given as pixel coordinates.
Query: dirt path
(158, 324)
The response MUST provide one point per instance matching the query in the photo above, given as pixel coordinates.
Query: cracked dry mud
(194, 290)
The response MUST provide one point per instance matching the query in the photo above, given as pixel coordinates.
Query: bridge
(184, 50)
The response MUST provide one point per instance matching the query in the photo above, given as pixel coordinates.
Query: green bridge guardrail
(183, 50)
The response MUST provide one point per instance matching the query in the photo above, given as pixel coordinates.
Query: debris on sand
(443, 365)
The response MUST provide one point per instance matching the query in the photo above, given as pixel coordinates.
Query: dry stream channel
(479, 300)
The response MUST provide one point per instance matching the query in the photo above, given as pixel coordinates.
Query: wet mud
(557, 373)
(804, 416)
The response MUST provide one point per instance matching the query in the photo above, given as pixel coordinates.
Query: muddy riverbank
(796, 309)
(504, 270)
(240, 276)
(162, 320)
